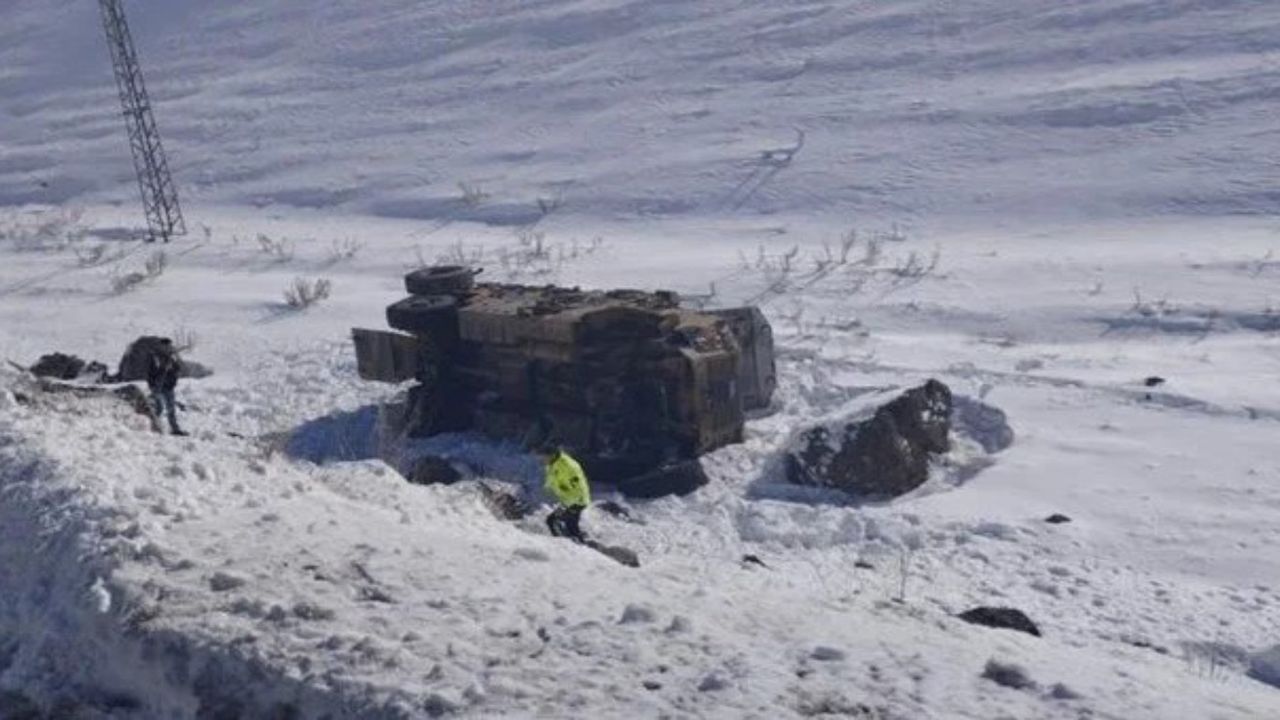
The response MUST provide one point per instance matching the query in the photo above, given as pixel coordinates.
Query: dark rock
(370, 593)
(433, 470)
(824, 653)
(679, 625)
(637, 614)
(503, 504)
(619, 554)
(1153, 381)
(1062, 692)
(1007, 618)
(651, 685)
(59, 366)
(15, 706)
(883, 457)
(222, 582)
(1008, 675)
(1057, 519)
(864, 565)
(753, 560)
(312, 612)
(712, 683)
(679, 478)
(1265, 667)
(615, 509)
(437, 705)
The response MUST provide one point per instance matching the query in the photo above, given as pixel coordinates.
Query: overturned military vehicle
(631, 383)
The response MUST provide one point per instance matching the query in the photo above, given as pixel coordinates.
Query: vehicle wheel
(435, 316)
(440, 280)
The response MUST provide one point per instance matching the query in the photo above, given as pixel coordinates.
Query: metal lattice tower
(159, 195)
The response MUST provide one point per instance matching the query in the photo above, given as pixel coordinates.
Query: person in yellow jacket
(568, 483)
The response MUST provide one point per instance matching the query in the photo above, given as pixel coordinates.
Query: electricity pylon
(159, 195)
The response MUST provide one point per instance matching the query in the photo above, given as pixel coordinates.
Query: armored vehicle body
(630, 382)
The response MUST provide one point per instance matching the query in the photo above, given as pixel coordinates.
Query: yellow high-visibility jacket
(567, 482)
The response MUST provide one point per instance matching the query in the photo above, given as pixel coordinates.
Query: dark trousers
(166, 406)
(564, 522)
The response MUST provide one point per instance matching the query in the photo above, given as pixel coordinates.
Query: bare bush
(124, 282)
(91, 255)
(1151, 308)
(472, 194)
(153, 267)
(871, 253)
(549, 205)
(533, 242)
(1260, 265)
(344, 249)
(184, 339)
(49, 230)
(701, 301)
(460, 253)
(895, 233)
(280, 249)
(1215, 661)
(915, 267)
(776, 269)
(304, 293)
(860, 261)
(156, 264)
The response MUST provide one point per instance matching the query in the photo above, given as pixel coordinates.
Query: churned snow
(1053, 203)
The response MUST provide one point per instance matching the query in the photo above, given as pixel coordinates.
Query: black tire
(435, 316)
(440, 280)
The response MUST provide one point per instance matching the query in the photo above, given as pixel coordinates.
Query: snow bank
(77, 635)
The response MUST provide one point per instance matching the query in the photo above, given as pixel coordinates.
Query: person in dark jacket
(162, 379)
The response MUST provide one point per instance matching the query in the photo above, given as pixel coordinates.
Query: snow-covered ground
(1053, 201)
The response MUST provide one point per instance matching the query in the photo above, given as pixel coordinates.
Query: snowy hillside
(1045, 205)
(909, 110)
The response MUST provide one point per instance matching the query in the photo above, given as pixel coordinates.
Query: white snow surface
(1094, 181)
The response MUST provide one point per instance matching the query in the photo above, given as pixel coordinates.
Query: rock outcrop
(882, 457)
(1006, 618)
(433, 470)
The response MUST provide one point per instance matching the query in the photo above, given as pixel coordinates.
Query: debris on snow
(504, 504)
(222, 582)
(1060, 691)
(60, 366)
(1008, 675)
(712, 682)
(824, 653)
(995, 617)
(678, 625)
(637, 614)
(531, 554)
